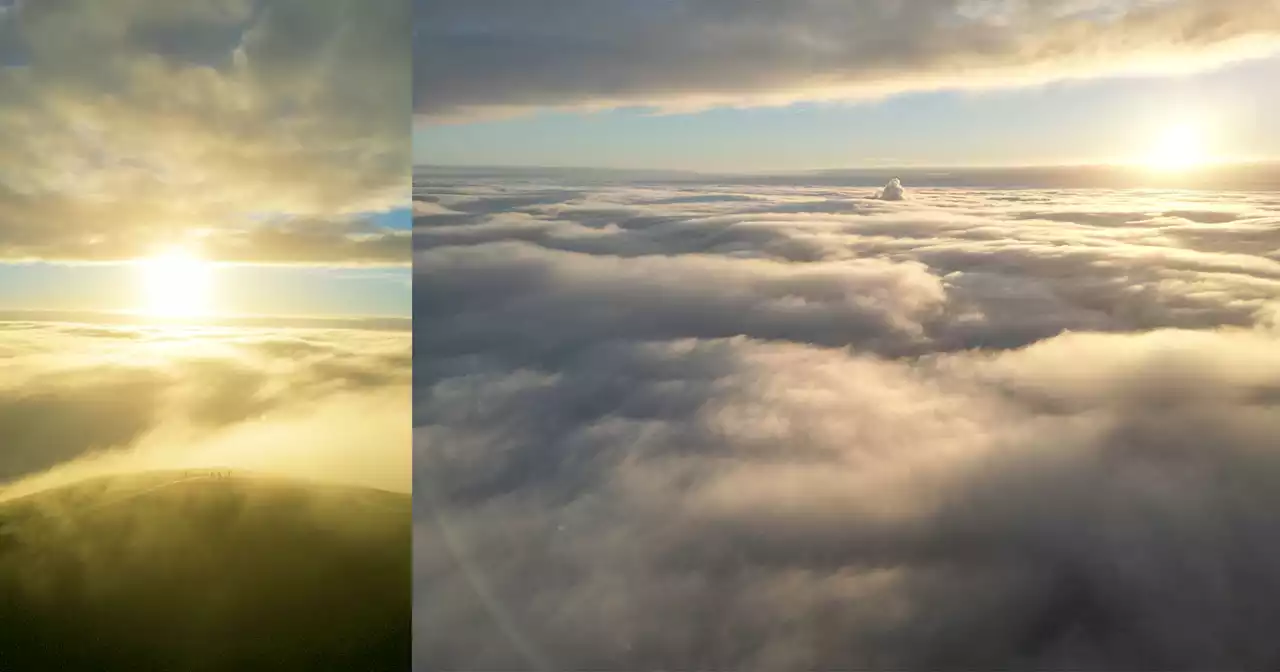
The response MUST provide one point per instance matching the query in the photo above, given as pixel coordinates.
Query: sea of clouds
(772, 425)
(81, 400)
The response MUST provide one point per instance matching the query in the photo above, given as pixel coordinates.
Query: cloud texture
(131, 124)
(892, 191)
(779, 426)
(84, 400)
(483, 57)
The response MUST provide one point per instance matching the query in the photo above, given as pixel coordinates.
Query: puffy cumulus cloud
(779, 426)
(892, 191)
(567, 299)
(86, 400)
(134, 123)
(500, 56)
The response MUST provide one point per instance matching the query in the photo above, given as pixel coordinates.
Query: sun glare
(176, 283)
(1178, 147)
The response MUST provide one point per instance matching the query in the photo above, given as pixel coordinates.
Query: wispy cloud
(143, 122)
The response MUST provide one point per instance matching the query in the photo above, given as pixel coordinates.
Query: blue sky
(1098, 120)
(395, 218)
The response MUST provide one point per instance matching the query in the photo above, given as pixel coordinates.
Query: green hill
(205, 571)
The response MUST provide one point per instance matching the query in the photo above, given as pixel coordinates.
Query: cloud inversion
(81, 400)
(177, 498)
(780, 426)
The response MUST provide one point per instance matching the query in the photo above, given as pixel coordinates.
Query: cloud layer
(499, 56)
(792, 427)
(145, 122)
(84, 400)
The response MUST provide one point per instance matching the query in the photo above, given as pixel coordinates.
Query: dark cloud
(142, 122)
(658, 428)
(500, 56)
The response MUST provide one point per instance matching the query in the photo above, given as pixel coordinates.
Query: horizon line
(1096, 165)
(132, 318)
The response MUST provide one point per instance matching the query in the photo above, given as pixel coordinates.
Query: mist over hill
(205, 570)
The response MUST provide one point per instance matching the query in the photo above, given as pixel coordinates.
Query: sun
(1178, 147)
(176, 283)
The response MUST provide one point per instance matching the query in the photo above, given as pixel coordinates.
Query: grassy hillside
(205, 571)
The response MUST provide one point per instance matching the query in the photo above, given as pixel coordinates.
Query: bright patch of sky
(1104, 120)
(251, 290)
